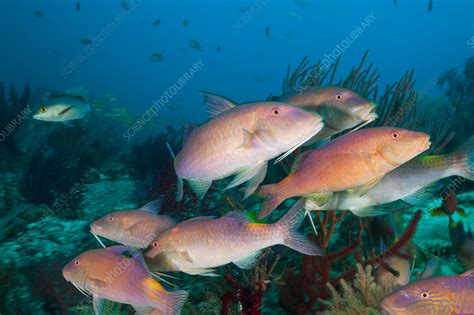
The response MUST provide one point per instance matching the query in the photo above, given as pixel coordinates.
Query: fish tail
(273, 199)
(176, 301)
(291, 221)
(463, 159)
(179, 182)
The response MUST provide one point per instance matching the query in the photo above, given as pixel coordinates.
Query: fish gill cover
(205, 135)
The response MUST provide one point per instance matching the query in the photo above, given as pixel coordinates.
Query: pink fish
(106, 274)
(199, 245)
(239, 140)
(357, 161)
(135, 228)
(436, 295)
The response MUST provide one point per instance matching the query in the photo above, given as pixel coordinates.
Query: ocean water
(92, 93)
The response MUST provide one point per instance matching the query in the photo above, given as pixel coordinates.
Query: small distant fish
(259, 78)
(78, 6)
(394, 1)
(86, 41)
(296, 16)
(198, 245)
(449, 207)
(124, 5)
(195, 45)
(94, 272)
(186, 23)
(268, 32)
(302, 3)
(156, 57)
(430, 6)
(436, 295)
(399, 264)
(137, 227)
(156, 23)
(63, 108)
(38, 13)
(218, 48)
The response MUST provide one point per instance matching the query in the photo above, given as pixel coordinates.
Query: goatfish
(341, 109)
(355, 162)
(436, 295)
(413, 182)
(63, 108)
(241, 140)
(199, 245)
(107, 274)
(136, 228)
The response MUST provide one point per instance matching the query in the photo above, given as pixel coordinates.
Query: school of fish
(357, 171)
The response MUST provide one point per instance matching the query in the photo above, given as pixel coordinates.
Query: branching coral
(302, 292)
(362, 296)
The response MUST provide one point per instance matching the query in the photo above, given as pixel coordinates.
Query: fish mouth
(425, 145)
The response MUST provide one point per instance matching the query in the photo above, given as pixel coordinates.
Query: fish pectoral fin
(248, 173)
(179, 256)
(143, 309)
(96, 284)
(199, 186)
(423, 196)
(216, 105)
(98, 305)
(147, 227)
(255, 139)
(320, 199)
(368, 212)
(361, 190)
(200, 271)
(249, 261)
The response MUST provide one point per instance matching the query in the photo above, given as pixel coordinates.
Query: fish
(462, 242)
(63, 108)
(195, 45)
(156, 57)
(156, 23)
(218, 48)
(200, 245)
(268, 32)
(430, 6)
(397, 263)
(435, 295)
(448, 207)
(296, 16)
(185, 22)
(414, 182)
(355, 162)
(86, 41)
(240, 140)
(38, 13)
(125, 5)
(107, 274)
(78, 6)
(136, 228)
(342, 109)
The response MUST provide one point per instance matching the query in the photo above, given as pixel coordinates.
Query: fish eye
(276, 111)
(43, 110)
(394, 135)
(425, 295)
(338, 96)
(111, 218)
(155, 244)
(76, 262)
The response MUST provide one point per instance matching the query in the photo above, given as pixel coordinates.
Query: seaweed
(14, 111)
(303, 292)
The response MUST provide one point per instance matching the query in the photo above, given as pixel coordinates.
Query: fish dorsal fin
(299, 159)
(249, 261)
(423, 196)
(153, 206)
(469, 273)
(61, 95)
(216, 105)
(118, 249)
(203, 218)
(189, 131)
